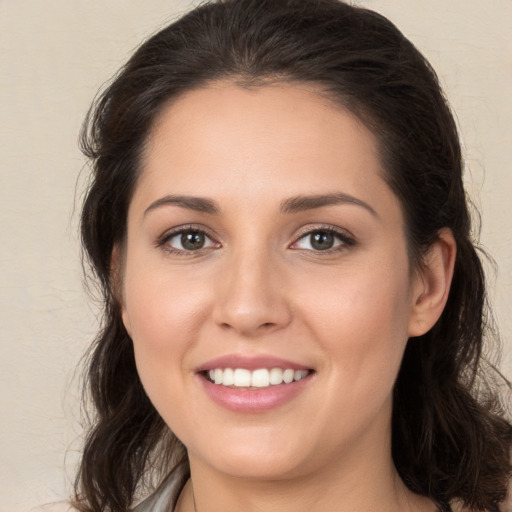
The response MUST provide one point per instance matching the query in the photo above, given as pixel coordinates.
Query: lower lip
(253, 400)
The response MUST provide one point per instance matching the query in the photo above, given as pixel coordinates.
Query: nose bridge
(251, 298)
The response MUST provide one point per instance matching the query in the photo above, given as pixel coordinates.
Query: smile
(254, 384)
(256, 379)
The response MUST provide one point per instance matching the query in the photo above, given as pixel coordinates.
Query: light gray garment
(164, 499)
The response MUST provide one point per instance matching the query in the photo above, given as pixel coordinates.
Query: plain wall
(54, 55)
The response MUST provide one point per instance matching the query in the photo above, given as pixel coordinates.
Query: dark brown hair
(449, 435)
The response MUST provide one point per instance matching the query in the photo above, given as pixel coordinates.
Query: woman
(294, 309)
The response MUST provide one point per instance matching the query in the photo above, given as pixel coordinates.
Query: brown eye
(319, 240)
(322, 240)
(192, 240)
(187, 240)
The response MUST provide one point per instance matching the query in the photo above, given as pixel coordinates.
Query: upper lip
(250, 363)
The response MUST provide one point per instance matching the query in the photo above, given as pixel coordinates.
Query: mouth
(254, 384)
(254, 379)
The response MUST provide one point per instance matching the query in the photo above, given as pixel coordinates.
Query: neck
(360, 484)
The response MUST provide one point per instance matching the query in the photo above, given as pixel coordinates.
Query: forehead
(276, 140)
(307, 110)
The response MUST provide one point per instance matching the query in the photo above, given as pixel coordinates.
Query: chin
(275, 458)
(256, 467)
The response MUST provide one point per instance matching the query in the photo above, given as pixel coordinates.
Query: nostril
(267, 326)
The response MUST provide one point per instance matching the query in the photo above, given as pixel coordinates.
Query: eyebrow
(303, 203)
(198, 204)
(291, 205)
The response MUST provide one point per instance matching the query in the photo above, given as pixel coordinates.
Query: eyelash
(346, 239)
(166, 237)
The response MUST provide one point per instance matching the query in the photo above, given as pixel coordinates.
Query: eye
(323, 239)
(187, 240)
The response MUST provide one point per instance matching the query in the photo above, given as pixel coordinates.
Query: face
(264, 246)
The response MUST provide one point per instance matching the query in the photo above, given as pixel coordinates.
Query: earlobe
(126, 321)
(432, 284)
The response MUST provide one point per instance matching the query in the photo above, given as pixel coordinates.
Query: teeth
(242, 378)
(260, 378)
(228, 377)
(276, 376)
(288, 376)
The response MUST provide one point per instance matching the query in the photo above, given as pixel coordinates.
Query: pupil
(322, 240)
(192, 240)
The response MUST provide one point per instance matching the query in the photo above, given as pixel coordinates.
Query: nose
(251, 298)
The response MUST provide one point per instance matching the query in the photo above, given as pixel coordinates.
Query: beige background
(54, 54)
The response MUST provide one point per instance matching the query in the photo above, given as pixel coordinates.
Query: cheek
(361, 320)
(361, 325)
(164, 315)
(159, 303)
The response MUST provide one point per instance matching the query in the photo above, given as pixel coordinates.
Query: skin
(258, 286)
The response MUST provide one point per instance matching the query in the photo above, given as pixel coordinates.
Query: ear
(432, 284)
(116, 280)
